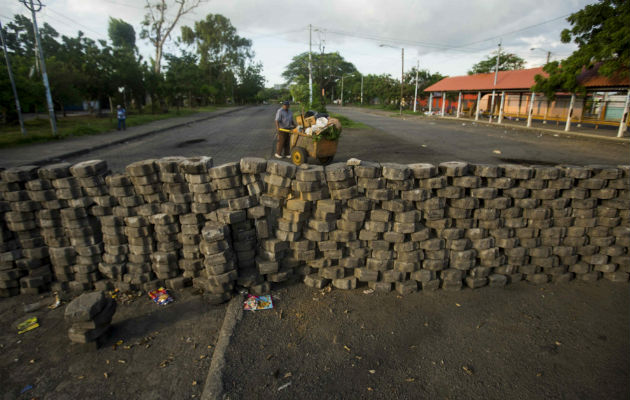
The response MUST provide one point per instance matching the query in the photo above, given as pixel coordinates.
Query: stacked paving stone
(249, 234)
(62, 254)
(9, 252)
(94, 183)
(166, 226)
(171, 242)
(390, 226)
(343, 188)
(21, 220)
(204, 202)
(116, 249)
(138, 227)
(599, 201)
(90, 316)
(82, 223)
(308, 187)
(273, 260)
(218, 277)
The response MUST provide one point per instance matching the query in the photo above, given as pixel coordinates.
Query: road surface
(250, 132)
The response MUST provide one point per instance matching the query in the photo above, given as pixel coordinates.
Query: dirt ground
(165, 352)
(521, 342)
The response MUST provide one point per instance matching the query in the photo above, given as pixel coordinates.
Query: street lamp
(541, 49)
(402, 75)
(353, 74)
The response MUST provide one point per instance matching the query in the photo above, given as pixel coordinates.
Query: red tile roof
(522, 79)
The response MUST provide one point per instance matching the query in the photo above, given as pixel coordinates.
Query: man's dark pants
(283, 143)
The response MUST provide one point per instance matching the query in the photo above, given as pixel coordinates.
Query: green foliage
(507, 62)
(81, 68)
(217, 42)
(121, 33)
(602, 34)
(347, 123)
(330, 133)
(327, 71)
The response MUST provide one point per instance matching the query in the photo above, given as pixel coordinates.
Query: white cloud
(427, 29)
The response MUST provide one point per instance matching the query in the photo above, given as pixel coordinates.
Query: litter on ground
(160, 296)
(253, 303)
(27, 325)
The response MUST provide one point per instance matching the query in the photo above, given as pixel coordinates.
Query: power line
(517, 30)
(442, 46)
(394, 40)
(77, 23)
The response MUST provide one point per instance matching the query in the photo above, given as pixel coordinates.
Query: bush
(318, 105)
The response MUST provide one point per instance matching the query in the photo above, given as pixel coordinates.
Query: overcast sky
(446, 38)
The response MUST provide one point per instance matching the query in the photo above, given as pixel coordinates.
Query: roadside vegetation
(347, 123)
(38, 130)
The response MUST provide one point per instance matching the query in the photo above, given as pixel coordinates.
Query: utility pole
(361, 89)
(15, 93)
(402, 77)
(310, 66)
(548, 56)
(496, 72)
(51, 107)
(415, 94)
(341, 90)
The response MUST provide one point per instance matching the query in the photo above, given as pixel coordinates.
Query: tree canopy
(602, 34)
(83, 69)
(507, 62)
(327, 71)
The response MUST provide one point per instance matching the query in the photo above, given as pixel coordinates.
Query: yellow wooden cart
(304, 146)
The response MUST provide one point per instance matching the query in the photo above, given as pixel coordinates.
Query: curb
(540, 130)
(128, 139)
(508, 125)
(213, 388)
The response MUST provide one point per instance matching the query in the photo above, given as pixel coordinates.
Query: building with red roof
(605, 102)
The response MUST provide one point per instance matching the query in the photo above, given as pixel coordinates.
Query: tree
(121, 33)
(126, 63)
(157, 26)
(65, 83)
(602, 34)
(507, 62)
(223, 54)
(327, 71)
(251, 82)
(217, 42)
(182, 78)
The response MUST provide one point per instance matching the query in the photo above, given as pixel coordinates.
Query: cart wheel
(325, 160)
(298, 155)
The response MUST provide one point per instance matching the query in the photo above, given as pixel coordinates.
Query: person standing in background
(121, 113)
(284, 120)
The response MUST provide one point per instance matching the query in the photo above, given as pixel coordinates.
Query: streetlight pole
(310, 68)
(415, 93)
(496, 73)
(341, 90)
(361, 89)
(51, 107)
(548, 53)
(15, 93)
(402, 77)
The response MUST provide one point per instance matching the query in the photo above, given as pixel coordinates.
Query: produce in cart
(316, 136)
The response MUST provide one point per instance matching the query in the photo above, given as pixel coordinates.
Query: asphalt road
(165, 351)
(564, 341)
(433, 140)
(250, 132)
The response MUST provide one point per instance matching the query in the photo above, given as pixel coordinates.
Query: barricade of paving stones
(179, 221)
